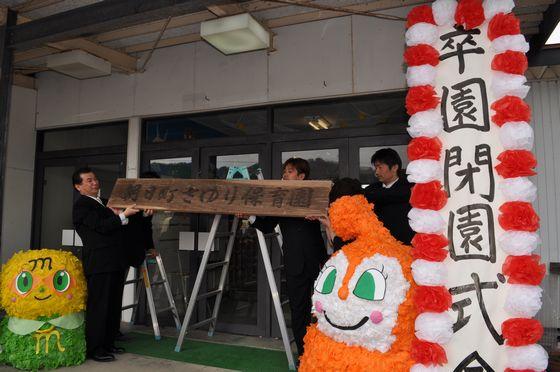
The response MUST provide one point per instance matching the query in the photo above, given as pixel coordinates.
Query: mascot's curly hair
(363, 298)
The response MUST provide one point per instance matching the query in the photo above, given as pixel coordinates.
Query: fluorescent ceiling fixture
(235, 34)
(314, 125)
(79, 64)
(554, 37)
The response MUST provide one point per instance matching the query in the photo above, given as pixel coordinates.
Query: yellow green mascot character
(44, 295)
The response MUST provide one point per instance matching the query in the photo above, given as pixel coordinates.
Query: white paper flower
(517, 135)
(504, 84)
(434, 327)
(532, 357)
(424, 170)
(519, 189)
(523, 301)
(519, 243)
(428, 368)
(444, 12)
(425, 124)
(420, 75)
(516, 43)
(493, 7)
(429, 272)
(421, 33)
(426, 221)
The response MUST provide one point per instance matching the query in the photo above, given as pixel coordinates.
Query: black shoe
(102, 356)
(115, 350)
(122, 337)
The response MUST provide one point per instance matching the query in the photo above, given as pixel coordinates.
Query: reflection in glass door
(243, 300)
(168, 229)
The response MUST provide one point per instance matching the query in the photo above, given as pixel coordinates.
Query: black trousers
(103, 312)
(300, 290)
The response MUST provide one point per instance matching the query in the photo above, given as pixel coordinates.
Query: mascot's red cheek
(376, 317)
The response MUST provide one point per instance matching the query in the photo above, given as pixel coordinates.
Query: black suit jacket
(303, 244)
(102, 235)
(138, 238)
(392, 206)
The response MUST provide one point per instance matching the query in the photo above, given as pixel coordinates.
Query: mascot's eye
(24, 282)
(61, 280)
(325, 282)
(370, 286)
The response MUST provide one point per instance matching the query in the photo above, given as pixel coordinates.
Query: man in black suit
(390, 196)
(104, 260)
(304, 254)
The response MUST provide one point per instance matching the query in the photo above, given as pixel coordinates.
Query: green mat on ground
(241, 358)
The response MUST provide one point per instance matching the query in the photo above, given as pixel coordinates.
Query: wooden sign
(252, 197)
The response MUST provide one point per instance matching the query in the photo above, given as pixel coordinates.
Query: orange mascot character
(363, 298)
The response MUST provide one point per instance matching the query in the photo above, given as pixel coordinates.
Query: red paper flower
(428, 195)
(519, 370)
(518, 216)
(524, 269)
(424, 148)
(521, 331)
(469, 13)
(510, 108)
(421, 98)
(422, 54)
(428, 353)
(516, 163)
(503, 24)
(422, 13)
(510, 62)
(429, 247)
(432, 299)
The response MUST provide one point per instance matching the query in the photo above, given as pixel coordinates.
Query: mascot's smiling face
(42, 282)
(357, 302)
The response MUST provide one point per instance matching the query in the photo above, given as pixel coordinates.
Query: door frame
(264, 303)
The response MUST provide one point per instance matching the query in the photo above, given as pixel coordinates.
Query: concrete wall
(336, 57)
(18, 186)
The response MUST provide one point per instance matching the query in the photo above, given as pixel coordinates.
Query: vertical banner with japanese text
(470, 159)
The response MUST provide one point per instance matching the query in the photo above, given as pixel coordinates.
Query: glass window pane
(366, 173)
(219, 165)
(323, 163)
(86, 137)
(228, 124)
(172, 167)
(383, 114)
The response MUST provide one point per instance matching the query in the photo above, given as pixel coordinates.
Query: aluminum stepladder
(204, 266)
(159, 279)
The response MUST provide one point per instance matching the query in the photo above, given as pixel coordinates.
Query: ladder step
(278, 268)
(225, 234)
(133, 281)
(158, 282)
(164, 309)
(216, 264)
(208, 294)
(129, 306)
(284, 303)
(202, 323)
(270, 235)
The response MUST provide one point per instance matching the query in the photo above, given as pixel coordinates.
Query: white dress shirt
(391, 184)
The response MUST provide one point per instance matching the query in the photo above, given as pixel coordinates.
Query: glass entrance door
(245, 303)
(55, 197)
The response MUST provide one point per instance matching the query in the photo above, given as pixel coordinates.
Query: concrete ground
(134, 362)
